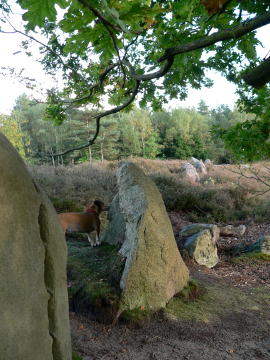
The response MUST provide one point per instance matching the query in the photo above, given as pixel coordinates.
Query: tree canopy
(154, 50)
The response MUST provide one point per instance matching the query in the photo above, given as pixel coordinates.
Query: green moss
(75, 356)
(94, 276)
(135, 316)
(255, 257)
(216, 302)
(192, 291)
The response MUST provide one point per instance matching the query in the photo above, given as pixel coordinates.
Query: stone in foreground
(154, 270)
(201, 248)
(34, 304)
(195, 228)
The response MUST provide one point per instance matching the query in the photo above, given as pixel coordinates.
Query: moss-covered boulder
(201, 248)
(154, 270)
(34, 305)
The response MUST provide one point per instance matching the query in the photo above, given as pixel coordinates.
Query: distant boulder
(208, 163)
(199, 166)
(189, 172)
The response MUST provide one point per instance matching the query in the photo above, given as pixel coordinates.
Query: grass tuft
(255, 257)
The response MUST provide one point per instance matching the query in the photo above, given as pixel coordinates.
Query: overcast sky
(222, 92)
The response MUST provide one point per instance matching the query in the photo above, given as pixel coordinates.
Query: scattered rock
(201, 248)
(264, 242)
(230, 230)
(154, 270)
(189, 172)
(261, 245)
(200, 167)
(195, 228)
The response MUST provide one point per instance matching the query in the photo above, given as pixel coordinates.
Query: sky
(222, 92)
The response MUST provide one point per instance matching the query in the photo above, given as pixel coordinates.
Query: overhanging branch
(259, 76)
(98, 117)
(221, 35)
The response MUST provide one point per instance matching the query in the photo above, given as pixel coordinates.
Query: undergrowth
(71, 188)
(252, 257)
(94, 276)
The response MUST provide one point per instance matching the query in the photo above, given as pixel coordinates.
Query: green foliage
(141, 31)
(249, 140)
(55, 110)
(76, 356)
(180, 133)
(39, 11)
(11, 129)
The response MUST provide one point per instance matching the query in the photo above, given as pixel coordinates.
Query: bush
(202, 203)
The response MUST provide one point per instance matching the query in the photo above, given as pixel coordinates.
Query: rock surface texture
(265, 244)
(34, 304)
(230, 230)
(199, 166)
(201, 248)
(115, 232)
(189, 172)
(154, 270)
(195, 228)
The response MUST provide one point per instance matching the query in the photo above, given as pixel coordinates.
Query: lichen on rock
(154, 270)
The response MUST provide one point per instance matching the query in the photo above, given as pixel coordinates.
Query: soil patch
(231, 320)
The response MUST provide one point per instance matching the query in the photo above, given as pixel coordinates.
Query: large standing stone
(115, 232)
(34, 320)
(154, 270)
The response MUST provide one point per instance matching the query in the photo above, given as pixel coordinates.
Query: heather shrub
(201, 203)
(71, 188)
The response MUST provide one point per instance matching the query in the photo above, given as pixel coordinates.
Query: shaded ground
(230, 321)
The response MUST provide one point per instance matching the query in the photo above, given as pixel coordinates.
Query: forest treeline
(175, 134)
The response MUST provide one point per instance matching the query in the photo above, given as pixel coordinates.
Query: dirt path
(231, 321)
(240, 332)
